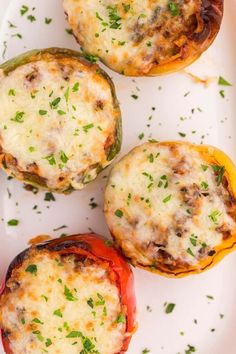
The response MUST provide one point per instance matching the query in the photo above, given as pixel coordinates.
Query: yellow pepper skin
(212, 15)
(213, 156)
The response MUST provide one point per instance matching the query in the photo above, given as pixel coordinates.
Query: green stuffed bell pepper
(60, 122)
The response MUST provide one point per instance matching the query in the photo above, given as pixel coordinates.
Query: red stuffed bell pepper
(69, 295)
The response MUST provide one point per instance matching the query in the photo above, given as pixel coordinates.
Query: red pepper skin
(95, 247)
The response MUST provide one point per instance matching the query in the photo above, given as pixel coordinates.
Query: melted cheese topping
(163, 203)
(133, 36)
(57, 120)
(61, 305)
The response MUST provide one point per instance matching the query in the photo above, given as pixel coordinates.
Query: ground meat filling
(167, 205)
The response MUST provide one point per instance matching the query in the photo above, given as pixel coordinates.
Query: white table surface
(3, 7)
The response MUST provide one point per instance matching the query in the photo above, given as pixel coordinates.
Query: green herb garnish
(49, 197)
(119, 213)
(42, 112)
(18, 117)
(68, 294)
(75, 88)
(174, 9)
(13, 222)
(223, 82)
(167, 199)
(63, 157)
(170, 308)
(32, 268)
(121, 318)
(47, 20)
(58, 313)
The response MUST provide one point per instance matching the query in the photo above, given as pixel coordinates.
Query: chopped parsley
(204, 185)
(63, 157)
(183, 135)
(222, 93)
(13, 222)
(31, 18)
(61, 113)
(18, 35)
(48, 342)
(39, 335)
(119, 213)
(75, 88)
(87, 127)
(74, 334)
(42, 112)
(121, 318)
(126, 7)
(23, 10)
(223, 82)
(114, 17)
(36, 320)
(100, 301)
(210, 297)
(60, 228)
(11, 25)
(167, 199)
(18, 117)
(49, 197)
(173, 8)
(51, 159)
(68, 294)
(148, 175)
(170, 308)
(204, 167)
(189, 251)
(11, 92)
(214, 216)
(31, 149)
(141, 136)
(66, 94)
(190, 349)
(91, 58)
(193, 240)
(32, 268)
(90, 303)
(47, 20)
(151, 158)
(45, 297)
(219, 171)
(92, 204)
(69, 31)
(145, 351)
(58, 313)
(54, 104)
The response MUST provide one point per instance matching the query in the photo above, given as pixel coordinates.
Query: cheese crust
(62, 304)
(145, 37)
(60, 122)
(169, 207)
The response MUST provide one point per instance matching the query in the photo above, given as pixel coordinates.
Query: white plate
(214, 124)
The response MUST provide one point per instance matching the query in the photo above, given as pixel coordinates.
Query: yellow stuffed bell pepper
(171, 208)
